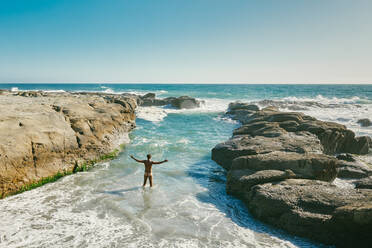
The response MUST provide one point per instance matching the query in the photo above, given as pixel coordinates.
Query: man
(148, 167)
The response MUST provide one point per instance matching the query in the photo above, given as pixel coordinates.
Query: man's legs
(150, 177)
(144, 181)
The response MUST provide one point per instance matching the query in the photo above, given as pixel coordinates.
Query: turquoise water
(188, 206)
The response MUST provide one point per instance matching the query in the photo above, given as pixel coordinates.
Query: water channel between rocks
(107, 207)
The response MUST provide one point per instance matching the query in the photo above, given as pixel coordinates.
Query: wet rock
(365, 183)
(315, 209)
(185, 102)
(353, 169)
(182, 102)
(241, 111)
(150, 100)
(239, 105)
(365, 122)
(346, 157)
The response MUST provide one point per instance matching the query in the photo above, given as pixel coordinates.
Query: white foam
(183, 141)
(14, 89)
(160, 92)
(325, 100)
(108, 90)
(54, 91)
(225, 119)
(153, 114)
(343, 183)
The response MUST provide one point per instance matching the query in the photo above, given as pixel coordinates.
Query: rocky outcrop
(365, 183)
(182, 102)
(349, 166)
(42, 134)
(282, 164)
(365, 122)
(316, 210)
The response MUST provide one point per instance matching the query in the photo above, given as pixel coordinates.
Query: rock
(315, 209)
(239, 105)
(346, 157)
(241, 181)
(150, 100)
(177, 102)
(285, 129)
(149, 95)
(281, 165)
(185, 102)
(240, 145)
(365, 183)
(308, 166)
(365, 122)
(47, 133)
(353, 169)
(240, 111)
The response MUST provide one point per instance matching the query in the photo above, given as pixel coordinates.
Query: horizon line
(216, 83)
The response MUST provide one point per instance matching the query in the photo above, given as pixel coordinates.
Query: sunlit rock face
(45, 133)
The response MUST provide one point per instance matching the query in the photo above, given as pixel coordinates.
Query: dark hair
(148, 156)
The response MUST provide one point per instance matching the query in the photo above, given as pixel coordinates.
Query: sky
(188, 41)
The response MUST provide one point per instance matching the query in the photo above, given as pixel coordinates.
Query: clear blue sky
(192, 41)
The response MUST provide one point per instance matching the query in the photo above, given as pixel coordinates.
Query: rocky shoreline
(282, 165)
(48, 134)
(42, 134)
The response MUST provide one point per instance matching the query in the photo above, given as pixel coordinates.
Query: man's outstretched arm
(139, 161)
(160, 162)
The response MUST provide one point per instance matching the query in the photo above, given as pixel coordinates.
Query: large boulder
(240, 145)
(353, 169)
(241, 181)
(241, 111)
(316, 210)
(182, 102)
(308, 166)
(185, 102)
(149, 99)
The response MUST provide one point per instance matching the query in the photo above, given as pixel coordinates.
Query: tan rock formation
(45, 133)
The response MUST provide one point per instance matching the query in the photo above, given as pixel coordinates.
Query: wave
(327, 100)
(157, 114)
(54, 91)
(346, 111)
(108, 90)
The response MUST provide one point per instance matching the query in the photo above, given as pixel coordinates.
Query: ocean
(188, 207)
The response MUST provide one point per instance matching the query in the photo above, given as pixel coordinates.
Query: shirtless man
(148, 167)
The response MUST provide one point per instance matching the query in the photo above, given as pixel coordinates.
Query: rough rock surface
(354, 168)
(44, 133)
(316, 210)
(281, 164)
(182, 102)
(365, 122)
(309, 166)
(365, 183)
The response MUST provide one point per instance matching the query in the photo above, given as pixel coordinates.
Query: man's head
(148, 156)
